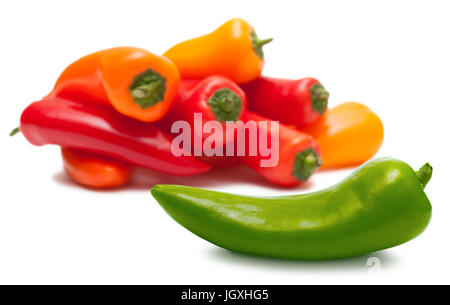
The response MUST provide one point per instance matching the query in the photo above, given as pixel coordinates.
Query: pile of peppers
(113, 110)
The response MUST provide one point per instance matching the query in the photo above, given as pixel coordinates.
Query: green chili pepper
(380, 205)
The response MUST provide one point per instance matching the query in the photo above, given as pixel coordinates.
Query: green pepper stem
(225, 104)
(148, 88)
(14, 131)
(306, 163)
(424, 174)
(260, 42)
(144, 90)
(319, 98)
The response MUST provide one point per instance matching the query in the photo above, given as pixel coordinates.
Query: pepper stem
(14, 131)
(144, 91)
(225, 104)
(319, 98)
(424, 174)
(306, 163)
(258, 44)
(148, 88)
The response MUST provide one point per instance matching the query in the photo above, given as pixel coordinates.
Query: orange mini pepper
(348, 134)
(135, 82)
(95, 171)
(233, 50)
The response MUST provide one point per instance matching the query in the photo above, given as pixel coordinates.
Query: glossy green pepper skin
(380, 205)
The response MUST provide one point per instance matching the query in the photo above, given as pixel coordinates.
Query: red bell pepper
(298, 153)
(102, 130)
(292, 102)
(216, 98)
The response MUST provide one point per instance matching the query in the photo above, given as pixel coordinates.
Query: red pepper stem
(319, 98)
(14, 131)
(306, 163)
(424, 174)
(225, 104)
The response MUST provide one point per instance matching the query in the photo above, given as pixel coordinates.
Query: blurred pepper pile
(112, 110)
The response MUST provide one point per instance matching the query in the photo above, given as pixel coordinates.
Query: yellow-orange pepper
(348, 134)
(233, 50)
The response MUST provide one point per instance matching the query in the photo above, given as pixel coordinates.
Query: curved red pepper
(216, 98)
(292, 102)
(100, 129)
(298, 153)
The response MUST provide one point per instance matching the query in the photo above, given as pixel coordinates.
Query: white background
(390, 55)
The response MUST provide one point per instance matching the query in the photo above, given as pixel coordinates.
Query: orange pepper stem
(424, 174)
(306, 163)
(259, 43)
(226, 105)
(148, 88)
(14, 131)
(319, 98)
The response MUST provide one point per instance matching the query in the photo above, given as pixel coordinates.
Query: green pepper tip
(156, 188)
(156, 191)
